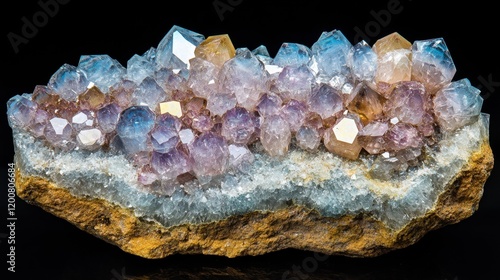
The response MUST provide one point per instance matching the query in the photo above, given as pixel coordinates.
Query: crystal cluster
(196, 107)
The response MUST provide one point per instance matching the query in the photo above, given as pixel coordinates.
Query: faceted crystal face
(408, 103)
(363, 61)
(245, 77)
(199, 109)
(390, 43)
(238, 126)
(295, 82)
(292, 54)
(457, 105)
(68, 82)
(394, 66)
(346, 130)
(216, 49)
(139, 68)
(133, 127)
(325, 101)
(330, 54)
(210, 154)
(366, 102)
(432, 63)
(177, 48)
(341, 139)
(102, 70)
(275, 135)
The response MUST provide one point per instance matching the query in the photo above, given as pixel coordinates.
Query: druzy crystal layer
(195, 109)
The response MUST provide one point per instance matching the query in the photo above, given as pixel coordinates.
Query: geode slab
(198, 147)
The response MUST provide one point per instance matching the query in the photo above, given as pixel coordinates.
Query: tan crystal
(346, 130)
(216, 49)
(92, 98)
(394, 59)
(342, 138)
(171, 107)
(367, 103)
(389, 43)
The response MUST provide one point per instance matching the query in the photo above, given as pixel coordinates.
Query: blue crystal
(330, 53)
(102, 70)
(138, 68)
(363, 61)
(177, 47)
(457, 104)
(20, 111)
(148, 93)
(432, 62)
(68, 82)
(133, 128)
(292, 54)
(262, 54)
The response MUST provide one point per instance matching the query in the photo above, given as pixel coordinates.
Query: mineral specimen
(198, 147)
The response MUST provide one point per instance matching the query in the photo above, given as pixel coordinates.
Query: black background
(50, 248)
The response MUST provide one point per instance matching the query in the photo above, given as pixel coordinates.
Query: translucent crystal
(107, 117)
(292, 54)
(133, 127)
(269, 104)
(239, 155)
(325, 101)
(177, 48)
(308, 138)
(58, 132)
(262, 54)
(275, 135)
(148, 93)
(90, 139)
(245, 77)
(366, 102)
(432, 63)
(139, 68)
(341, 139)
(408, 103)
(237, 126)
(202, 77)
(457, 104)
(164, 138)
(363, 62)
(82, 120)
(171, 164)
(91, 99)
(394, 59)
(216, 49)
(394, 66)
(402, 136)
(68, 82)
(294, 112)
(210, 155)
(295, 82)
(330, 54)
(21, 111)
(389, 43)
(371, 137)
(219, 103)
(102, 70)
